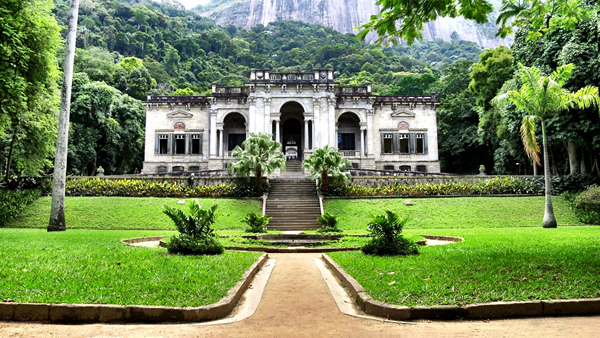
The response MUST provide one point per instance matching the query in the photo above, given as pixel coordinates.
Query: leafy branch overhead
(404, 19)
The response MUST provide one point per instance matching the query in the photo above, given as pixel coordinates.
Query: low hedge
(12, 202)
(140, 188)
(492, 186)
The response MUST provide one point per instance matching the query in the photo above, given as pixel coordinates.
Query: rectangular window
(420, 143)
(161, 170)
(178, 169)
(346, 142)
(388, 167)
(387, 144)
(163, 144)
(404, 140)
(194, 168)
(179, 144)
(404, 168)
(196, 144)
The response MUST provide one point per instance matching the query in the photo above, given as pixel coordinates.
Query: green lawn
(490, 265)
(88, 266)
(461, 212)
(131, 212)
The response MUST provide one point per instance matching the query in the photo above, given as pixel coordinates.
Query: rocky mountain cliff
(342, 15)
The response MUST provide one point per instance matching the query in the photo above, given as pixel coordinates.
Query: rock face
(343, 16)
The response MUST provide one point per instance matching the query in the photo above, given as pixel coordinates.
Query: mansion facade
(302, 111)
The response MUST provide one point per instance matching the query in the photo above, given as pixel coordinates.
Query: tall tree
(543, 97)
(259, 155)
(29, 37)
(324, 162)
(57, 212)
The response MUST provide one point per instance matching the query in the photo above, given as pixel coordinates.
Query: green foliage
(583, 213)
(256, 222)
(386, 231)
(496, 185)
(196, 237)
(259, 155)
(329, 223)
(28, 86)
(590, 199)
(324, 162)
(13, 202)
(403, 19)
(140, 188)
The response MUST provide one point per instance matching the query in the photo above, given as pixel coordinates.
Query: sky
(192, 3)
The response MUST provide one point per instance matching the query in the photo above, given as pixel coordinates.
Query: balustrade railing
(350, 153)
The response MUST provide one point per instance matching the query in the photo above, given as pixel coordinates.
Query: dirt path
(297, 303)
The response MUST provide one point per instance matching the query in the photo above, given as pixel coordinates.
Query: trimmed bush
(196, 235)
(13, 202)
(590, 198)
(493, 186)
(256, 222)
(387, 237)
(328, 223)
(140, 188)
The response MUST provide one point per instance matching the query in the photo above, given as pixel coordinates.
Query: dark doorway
(292, 129)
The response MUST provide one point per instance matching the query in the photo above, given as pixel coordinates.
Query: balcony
(177, 99)
(234, 92)
(350, 153)
(354, 91)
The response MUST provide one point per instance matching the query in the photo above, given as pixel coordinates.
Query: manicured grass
(461, 212)
(131, 212)
(490, 265)
(87, 266)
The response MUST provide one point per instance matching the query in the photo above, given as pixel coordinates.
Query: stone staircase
(293, 204)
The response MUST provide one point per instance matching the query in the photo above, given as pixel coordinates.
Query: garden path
(297, 303)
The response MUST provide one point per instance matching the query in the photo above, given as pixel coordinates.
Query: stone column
(267, 125)
(306, 141)
(277, 132)
(221, 142)
(213, 133)
(362, 141)
(316, 124)
(331, 117)
(370, 131)
(251, 126)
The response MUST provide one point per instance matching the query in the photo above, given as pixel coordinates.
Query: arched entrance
(292, 130)
(234, 131)
(349, 134)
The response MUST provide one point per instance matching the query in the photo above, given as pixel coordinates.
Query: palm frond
(528, 136)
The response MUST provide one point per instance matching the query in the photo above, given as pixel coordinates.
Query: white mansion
(303, 111)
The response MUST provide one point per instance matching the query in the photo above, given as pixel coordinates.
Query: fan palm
(258, 155)
(542, 97)
(511, 9)
(324, 162)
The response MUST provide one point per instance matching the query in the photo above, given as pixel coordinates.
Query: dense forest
(127, 48)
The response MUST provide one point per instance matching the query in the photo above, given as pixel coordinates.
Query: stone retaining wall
(378, 181)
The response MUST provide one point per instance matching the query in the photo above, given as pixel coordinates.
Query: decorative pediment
(403, 114)
(180, 115)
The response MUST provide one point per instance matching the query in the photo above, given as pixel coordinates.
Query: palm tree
(511, 9)
(57, 212)
(542, 97)
(325, 162)
(258, 155)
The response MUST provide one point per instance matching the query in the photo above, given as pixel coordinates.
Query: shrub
(590, 198)
(585, 205)
(139, 188)
(196, 235)
(12, 202)
(256, 222)
(328, 223)
(387, 236)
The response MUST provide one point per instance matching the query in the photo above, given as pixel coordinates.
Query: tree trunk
(582, 167)
(535, 169)
(57, 213)
(258, 180)
(549, 219)
(324, 181)
(10, 152)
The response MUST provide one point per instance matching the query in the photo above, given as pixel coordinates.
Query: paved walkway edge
(99, 313)
(559, 307)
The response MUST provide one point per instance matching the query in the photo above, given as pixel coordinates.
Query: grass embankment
(490, 265)
(83, 266)
(460, 212)
(131, 212)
